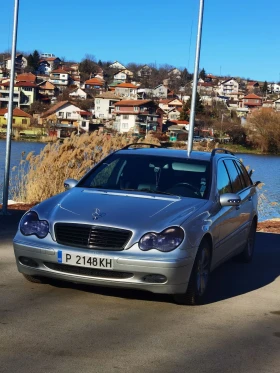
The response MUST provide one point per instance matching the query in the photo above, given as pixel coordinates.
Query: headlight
(30, 224)
(165, 241)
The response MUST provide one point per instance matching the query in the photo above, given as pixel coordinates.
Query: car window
(234, 176)
(244, 173)
(223, 181)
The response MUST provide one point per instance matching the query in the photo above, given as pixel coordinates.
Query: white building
(78, 93)
(117, 65)
(104, 105)
(228, 86)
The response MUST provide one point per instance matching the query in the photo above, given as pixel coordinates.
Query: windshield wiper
(150, 191)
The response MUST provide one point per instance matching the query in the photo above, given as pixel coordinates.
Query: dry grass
(39, 177)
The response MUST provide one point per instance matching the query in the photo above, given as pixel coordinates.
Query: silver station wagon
(144, 218)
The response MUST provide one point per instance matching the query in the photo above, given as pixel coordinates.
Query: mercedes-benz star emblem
(97, 214)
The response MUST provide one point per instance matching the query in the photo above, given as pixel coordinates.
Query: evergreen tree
(265, 87)
(184, 115)
(199, 108)
(202, 74)
(33, 60)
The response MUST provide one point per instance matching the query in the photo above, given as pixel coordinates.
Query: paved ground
(60, 327)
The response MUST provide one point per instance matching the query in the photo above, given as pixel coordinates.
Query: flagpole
(195, 77)
(10, 113)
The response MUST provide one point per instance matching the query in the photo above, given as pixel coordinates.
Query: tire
(199, 278)
(34, 279)
(247, 254)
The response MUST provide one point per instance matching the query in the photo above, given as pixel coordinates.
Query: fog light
(28, 261)
(156, 279)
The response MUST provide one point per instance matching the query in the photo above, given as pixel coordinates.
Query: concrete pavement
(61, 327)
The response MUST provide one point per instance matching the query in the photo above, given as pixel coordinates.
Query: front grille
(91, 236)
(92, 272)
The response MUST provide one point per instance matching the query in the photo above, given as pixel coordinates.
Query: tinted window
(234, 176)
(246, 177)
(223, 182)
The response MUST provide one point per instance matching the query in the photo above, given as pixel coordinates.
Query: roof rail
(136, 144)
(214, 151)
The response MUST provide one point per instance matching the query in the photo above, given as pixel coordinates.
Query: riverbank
(268, 226)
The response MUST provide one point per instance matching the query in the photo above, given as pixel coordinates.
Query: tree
(264, 87)
(88, 67)
(33, 60)
(202, 74)
(185, 113)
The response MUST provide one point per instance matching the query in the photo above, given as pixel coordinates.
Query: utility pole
(195, 76)
(10, 113)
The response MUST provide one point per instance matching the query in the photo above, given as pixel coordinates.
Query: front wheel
(199, 278)
(247, 254)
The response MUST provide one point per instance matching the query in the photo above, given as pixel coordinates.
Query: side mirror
(70, 183)
(230, 199)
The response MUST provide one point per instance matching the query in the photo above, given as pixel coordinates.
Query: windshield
(151, 174)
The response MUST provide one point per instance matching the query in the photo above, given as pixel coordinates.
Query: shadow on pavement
(9, 223)
(228, 281)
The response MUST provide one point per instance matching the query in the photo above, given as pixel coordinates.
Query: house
(47, 91)
(174, 73)
(268, 104)
(174, 114)
(26, 77)
(228, 86)
(25, 93)
(127, 90)
(117, 65)
(273, 88)
(161, 91)
(123, 75)
(20, 118)
(251, 86)
(66, 113)
(277, 104)
(205, 88)
(252, 101)
(78, 94)
(171, 108)
(20, 63)
(60, 78)
(46, 65)
(95, 83)
(104, 105)
(144, 72)
(137, 116)
(4, 95)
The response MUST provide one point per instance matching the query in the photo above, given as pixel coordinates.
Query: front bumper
(130, 268)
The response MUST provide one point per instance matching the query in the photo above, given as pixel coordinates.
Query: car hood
(129, 210)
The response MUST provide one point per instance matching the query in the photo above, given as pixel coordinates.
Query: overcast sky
(240, 38)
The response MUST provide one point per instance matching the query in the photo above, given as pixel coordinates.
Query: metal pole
(195, 76)
(10, 113)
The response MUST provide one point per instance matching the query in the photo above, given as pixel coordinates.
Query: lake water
(267, 170)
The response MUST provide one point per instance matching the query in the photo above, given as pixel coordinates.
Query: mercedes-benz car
(144, 218)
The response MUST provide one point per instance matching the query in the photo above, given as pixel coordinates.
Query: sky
(240, 38)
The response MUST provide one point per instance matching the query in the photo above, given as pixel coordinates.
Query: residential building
(28, 94)
(78, 94)
(252, 86)
(66, 113)
(104, 105)
(144, 72)
(95, 84)
(117, 65)
(277, 104)
(60, 78)
(252, 101)
(228, 86)
(20, 118)
(205, 88)
(4, 95)
(137, 116)
(47, 91)
(26, 77)
(46, 65)
(20, 63)
(273, 88)
(161, 91)
(127, 90)
(174, 73)
(47, 55)
(123, 75)
(174, 114)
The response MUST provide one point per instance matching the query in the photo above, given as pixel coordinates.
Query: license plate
(79, 260)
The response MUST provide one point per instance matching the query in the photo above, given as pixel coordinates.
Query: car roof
(173, 153)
